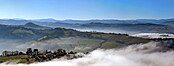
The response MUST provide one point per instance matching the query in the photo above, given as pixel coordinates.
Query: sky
(87, 9)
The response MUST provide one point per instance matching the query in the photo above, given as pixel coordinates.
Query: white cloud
(134, 55)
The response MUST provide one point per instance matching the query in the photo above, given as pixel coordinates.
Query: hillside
(34, 26)
(66, 38)
(127, 28)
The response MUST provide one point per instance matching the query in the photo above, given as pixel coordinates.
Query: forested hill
(22, 33)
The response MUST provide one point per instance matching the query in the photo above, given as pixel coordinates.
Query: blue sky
(87, 9)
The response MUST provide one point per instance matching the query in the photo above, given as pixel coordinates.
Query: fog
(67, 43)
(154, 35)
(108, 30)
(133, 55)
(7, 44)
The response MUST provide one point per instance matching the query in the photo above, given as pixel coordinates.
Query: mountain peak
(35, 26)
(31, 24)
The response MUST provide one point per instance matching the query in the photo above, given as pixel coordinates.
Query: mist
(67, 43)
(9, 44)
(133, 55)
(108, 30)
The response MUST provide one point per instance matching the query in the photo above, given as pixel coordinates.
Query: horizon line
(86, 19)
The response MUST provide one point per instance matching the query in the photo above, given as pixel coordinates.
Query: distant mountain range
(115, 26)
(155, 21)
(23, 21)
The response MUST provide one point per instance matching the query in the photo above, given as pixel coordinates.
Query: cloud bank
(134, 55)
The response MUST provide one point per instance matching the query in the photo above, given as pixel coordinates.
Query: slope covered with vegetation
(66, 38)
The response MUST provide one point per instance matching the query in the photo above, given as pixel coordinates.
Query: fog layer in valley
(154, 35)
(134, 55)
(109, 30)
(9, 44)
(68, 43)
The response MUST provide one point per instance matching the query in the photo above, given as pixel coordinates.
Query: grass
(23, 31)
(16, 59)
